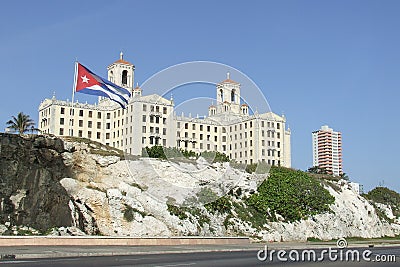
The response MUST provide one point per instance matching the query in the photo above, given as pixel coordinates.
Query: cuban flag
(89, 83)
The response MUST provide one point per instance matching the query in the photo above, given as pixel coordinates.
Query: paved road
(199, 259)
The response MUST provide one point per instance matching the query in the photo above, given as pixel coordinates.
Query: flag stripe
(95, 85)
(100, 91)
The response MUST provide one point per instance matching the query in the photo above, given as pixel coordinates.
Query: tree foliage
(21, 124)
(317, 170)
(290, 193)
(161, 152)
(385, 196)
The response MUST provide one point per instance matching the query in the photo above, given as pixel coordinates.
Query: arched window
(222, 95)
(111, 76)
(124, 77)
(233, 95)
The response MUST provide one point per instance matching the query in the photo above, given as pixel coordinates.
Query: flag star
(85, 79)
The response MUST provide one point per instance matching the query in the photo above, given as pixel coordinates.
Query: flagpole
(71, 113)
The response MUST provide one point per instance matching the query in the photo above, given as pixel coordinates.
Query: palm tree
(21, 124)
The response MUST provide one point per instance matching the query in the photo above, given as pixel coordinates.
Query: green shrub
(385, 196)
(221, 205)
(293, 194)
(214, 156)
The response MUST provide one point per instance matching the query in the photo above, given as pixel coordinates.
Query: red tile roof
(229, 81)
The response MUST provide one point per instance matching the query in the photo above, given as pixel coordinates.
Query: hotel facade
(327, 150)
(150, 120)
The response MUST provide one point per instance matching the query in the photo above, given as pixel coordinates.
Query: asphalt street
(226, 258)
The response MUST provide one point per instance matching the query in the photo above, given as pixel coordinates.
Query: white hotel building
(150, 120)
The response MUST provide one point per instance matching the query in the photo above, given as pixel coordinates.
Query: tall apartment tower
(327, 150)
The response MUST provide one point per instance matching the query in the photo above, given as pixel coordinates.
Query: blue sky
(319, 62)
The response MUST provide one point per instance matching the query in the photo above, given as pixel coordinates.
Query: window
(152, 108)
(89, 134)
(151, 119)
(61, 131)
(215, 138)
(71, 112)
(62, 110)
(193, 126)
(108, 115)
(208, 128)
(90, 114)
(144, 129)
(164, 110)
(124, 80)
(215, 129)
(80, 133)
(98, 135)
(262, 124)
(278, 144)
(186, 125)
(108, 125)
(164, 130)
(89, 124)
(62, 121)
(201, 127)
(99, 125)
(107, 135)
(178, 125)
(144, 107)
(278, 125)
(157, 109)
(278, 135)
(143, 140)
(99, 115)
(201, 136)
(80, 123)
(81, 113)
(144, 118)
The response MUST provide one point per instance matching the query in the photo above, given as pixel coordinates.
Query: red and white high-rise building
(327, 150)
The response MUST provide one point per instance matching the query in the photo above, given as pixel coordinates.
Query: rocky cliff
(51, 183)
